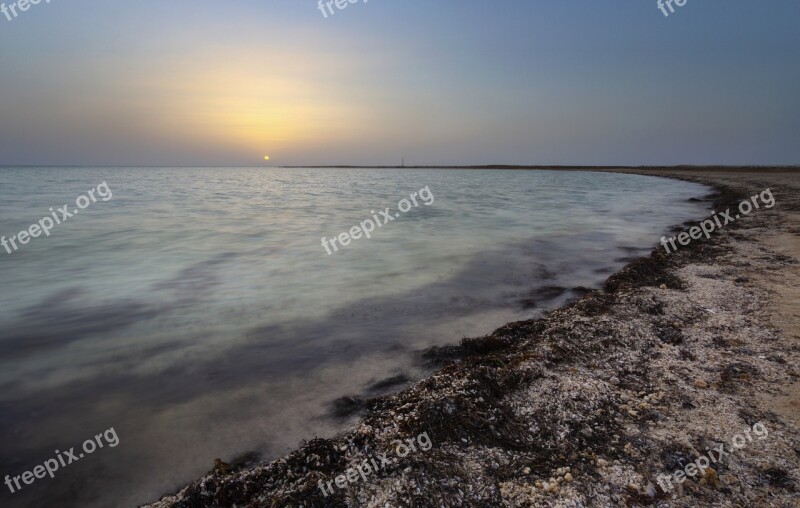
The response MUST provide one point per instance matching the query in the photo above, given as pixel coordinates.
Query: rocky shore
(587, 406)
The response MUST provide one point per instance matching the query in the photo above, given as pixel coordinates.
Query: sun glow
(245, 105)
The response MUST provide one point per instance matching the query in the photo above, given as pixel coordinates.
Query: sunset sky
(112, 82)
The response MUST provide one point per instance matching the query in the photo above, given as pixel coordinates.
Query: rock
(221, 468)
(550, 487)
(699, 383)
(568, 477)
(710, 476)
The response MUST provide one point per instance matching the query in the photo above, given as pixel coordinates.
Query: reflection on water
(197, 313)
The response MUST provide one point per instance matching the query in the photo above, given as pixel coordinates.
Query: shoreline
(624, 384)
(612, 169)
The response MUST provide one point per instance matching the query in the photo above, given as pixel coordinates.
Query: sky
(571, 82)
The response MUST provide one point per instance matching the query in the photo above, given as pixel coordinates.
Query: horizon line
(432, 166)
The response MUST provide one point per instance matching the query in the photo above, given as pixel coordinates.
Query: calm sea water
(197, 313)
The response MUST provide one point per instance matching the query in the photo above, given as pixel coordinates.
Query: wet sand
(587, 406)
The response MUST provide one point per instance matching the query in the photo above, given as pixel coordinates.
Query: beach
(591, 404)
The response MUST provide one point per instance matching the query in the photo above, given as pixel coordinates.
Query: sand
(587, 406)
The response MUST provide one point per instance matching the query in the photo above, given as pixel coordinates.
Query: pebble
(699, 383)
(551, 487)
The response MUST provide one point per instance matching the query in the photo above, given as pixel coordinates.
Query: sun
(266, 157)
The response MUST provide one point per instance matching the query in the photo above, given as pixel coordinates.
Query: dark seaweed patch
(389, 382)
(778, 477)
(347, 406)
(669, 335)
(735, 374)
(644, 272)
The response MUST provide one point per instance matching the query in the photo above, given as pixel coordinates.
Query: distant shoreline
(574, 168)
